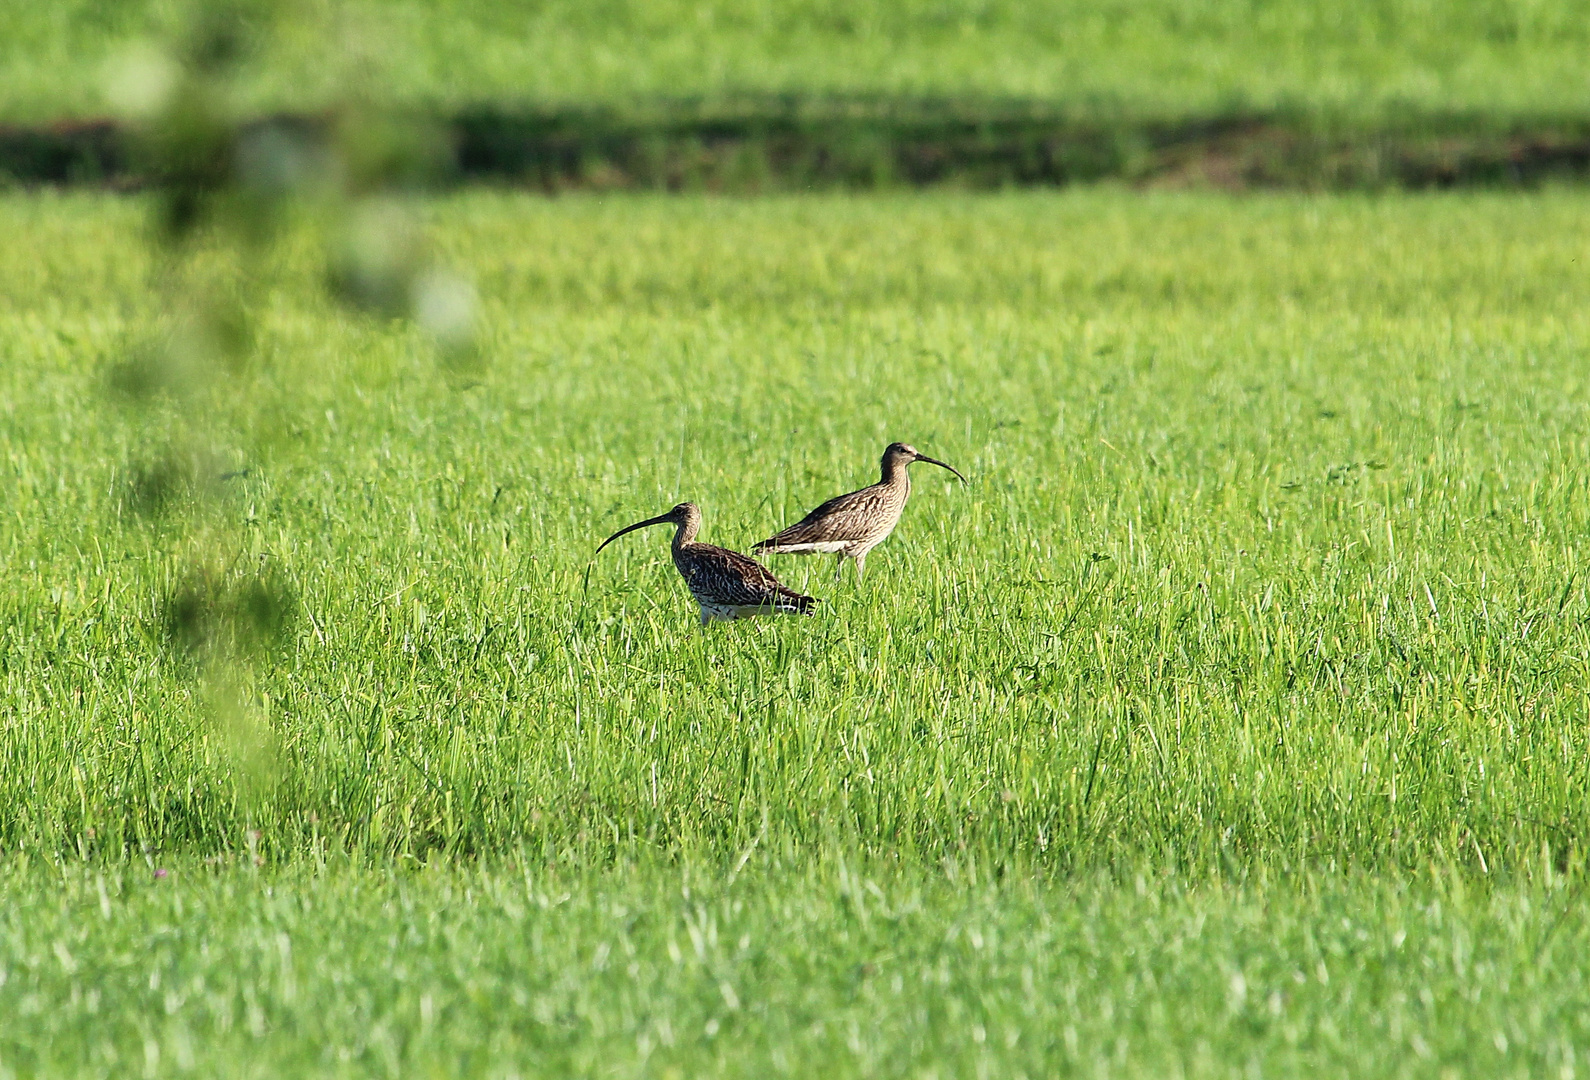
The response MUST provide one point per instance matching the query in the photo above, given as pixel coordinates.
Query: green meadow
(1378, 62)
(790, 968)
(1232, 720)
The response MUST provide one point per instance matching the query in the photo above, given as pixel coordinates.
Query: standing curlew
(852, 525)
(725, 583)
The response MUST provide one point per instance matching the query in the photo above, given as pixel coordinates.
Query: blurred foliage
(227, 192)
(211, 608)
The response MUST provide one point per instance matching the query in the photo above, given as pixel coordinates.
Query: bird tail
(783, 539)
(799, 602)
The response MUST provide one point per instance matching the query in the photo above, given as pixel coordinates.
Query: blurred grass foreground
(755, 95)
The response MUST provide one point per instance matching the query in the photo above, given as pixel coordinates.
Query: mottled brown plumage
(726, 584)
(853, 524)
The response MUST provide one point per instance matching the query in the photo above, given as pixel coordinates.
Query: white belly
(818, 547)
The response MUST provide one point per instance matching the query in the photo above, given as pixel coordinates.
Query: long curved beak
(660, 519)
(940, 464)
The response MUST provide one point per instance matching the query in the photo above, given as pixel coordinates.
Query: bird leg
(839, 565)
(860, 561)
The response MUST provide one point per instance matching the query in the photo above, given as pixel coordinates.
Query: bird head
(901, 454)
(684, 514)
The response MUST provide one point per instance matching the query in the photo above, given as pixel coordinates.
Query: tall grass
(1272, 554)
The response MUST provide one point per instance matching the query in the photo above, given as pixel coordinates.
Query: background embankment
(730, 95)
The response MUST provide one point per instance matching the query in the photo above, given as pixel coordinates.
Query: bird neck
(895, 474)
(685, 534)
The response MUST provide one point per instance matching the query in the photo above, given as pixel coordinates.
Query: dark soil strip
(788, 144)
(84, 153)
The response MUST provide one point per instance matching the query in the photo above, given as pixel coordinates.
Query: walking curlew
(852, 525)
(725, 583)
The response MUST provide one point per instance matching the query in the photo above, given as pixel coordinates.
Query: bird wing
(852, 516)
(727, 577)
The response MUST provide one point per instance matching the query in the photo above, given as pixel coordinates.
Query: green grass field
(1232, 720)
(843, 968)
(1171, 59)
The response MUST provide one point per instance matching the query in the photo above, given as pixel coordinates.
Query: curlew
(725, 583)
(851, 525)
